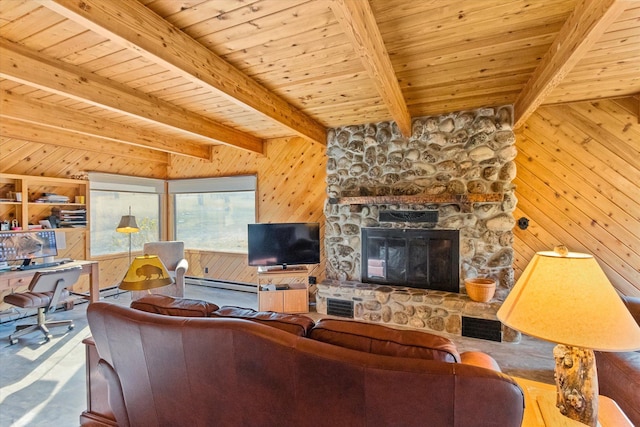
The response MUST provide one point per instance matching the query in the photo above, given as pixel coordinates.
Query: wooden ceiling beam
(584, 27)
(31, 110)
(10, 128)
(134, 26)
(31, 68)
(359, 24)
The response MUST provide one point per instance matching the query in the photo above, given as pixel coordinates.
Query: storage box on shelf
(26, 200)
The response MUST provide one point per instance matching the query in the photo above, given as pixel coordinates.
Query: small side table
(294, 299)
(540, 410)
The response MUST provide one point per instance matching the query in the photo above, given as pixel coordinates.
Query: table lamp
(564, 297)
(146, 272)
(128, 225)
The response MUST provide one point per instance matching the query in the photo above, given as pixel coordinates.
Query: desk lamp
(564, 297)
(146, 272)
(128, 225)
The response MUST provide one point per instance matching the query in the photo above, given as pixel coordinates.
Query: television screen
(27, 245)
(284, 244)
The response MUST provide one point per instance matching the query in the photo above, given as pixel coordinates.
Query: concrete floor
(43, 384)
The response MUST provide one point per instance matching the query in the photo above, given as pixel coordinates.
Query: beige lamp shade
(567, 299)
(146, 272)
(127, 224)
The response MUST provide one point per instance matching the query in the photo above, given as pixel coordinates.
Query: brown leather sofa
(237, 367)
(619, 373)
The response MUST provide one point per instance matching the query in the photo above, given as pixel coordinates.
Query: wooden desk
(537, 394)
(13, 279)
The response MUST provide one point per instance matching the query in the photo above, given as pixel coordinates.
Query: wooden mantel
(463, 199)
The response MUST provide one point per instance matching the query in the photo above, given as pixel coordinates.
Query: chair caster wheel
(48, 338)
(14, 341)
(71, 327)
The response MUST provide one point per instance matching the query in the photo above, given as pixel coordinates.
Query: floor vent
(482, 328)
(338, 307)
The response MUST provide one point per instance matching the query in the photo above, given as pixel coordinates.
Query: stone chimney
(458, 167)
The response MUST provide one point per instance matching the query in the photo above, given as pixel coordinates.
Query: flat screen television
(27, 245)
(283, 244)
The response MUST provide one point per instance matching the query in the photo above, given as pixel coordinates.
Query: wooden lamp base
(577, 383)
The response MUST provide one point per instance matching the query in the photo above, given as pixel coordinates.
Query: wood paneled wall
(291, 187)
(578, 181)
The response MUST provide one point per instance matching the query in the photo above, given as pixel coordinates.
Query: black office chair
(46, 290)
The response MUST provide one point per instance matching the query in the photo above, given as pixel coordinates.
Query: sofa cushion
(382, 340)
(174, 306)
(297, 324)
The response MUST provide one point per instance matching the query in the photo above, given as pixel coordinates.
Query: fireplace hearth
(418, 258)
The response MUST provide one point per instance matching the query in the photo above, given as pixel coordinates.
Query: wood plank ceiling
(177, 77)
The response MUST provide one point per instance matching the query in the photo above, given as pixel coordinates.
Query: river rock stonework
(433, 311)
(457, 154)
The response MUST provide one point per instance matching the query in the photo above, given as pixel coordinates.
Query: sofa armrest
(182, 267)
(116, 398)
(478, 358)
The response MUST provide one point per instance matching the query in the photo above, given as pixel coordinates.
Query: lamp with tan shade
(128, 225)
(565, 297)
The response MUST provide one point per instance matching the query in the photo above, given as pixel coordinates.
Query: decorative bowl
(480, 289)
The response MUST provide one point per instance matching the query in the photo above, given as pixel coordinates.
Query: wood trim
(136, 27)
(34, 111)
(62, 138)
(586, 24)
(31, 68)
(419, 199)
(359, 24)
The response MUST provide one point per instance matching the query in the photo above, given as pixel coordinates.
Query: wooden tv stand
(293, 299)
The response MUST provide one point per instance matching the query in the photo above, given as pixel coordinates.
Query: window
(213, 213)
(111, 196)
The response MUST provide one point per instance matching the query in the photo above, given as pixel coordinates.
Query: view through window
(209, 213)
(215, 221)
(111, 196)
(107, 207)
(213, 213)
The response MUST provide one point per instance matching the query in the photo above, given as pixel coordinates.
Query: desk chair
(46, 290)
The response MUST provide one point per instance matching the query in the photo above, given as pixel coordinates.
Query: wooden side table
(540, 409)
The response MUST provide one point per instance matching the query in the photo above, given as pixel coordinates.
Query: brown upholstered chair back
(166, 370)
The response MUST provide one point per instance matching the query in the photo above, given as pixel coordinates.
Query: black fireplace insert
(417, 258)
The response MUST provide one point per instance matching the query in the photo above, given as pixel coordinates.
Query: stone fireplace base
(432, 311)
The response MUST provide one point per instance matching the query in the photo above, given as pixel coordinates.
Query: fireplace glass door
(427, 259)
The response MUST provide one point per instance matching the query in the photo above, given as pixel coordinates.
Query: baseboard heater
(339, 307)
(221, 284)
(485, 329)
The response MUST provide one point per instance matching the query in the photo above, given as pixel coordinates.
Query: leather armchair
(172, 255)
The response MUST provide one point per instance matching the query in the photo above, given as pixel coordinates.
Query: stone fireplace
(454, 173)
(459, 166)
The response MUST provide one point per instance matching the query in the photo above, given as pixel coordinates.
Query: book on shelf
(52, 198)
